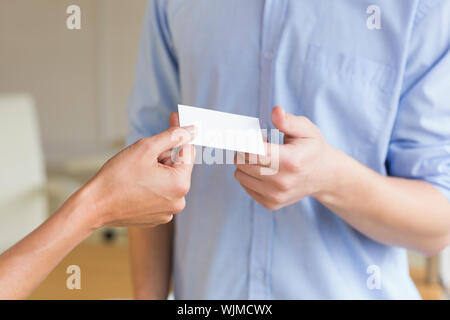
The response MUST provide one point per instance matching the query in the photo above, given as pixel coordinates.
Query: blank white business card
(223, 130)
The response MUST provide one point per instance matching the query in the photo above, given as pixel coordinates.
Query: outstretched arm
(132, 189)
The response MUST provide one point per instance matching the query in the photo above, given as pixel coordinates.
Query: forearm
(151, 261)
(394, 211)
(25, 265)
(131, 189)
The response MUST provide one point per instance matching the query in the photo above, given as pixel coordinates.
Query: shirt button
(268, 55)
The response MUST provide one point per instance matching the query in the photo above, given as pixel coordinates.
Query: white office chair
(24, 189)
(23, 204)
(444, 266)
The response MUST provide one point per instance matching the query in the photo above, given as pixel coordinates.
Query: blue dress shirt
(380, 95)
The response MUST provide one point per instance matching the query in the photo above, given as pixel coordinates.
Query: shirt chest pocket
(350, 98)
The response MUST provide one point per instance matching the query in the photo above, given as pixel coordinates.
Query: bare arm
(151, 261)
(24, 266)
(132, 189)
(395, 211)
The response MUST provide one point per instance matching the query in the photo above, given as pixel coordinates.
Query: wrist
(348, 180)
(86, 202)
(337, 174)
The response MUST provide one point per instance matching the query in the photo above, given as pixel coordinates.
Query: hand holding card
(223, 130)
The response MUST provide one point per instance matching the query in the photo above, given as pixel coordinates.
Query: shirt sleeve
(155, 93)
(420, 142)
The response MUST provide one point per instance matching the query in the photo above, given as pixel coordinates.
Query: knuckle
(276, 197)
(178, 205)
(146, 144)
(303, 118)
(271, 206)
(181, 187)
(185, 187)
(168, 218)
(282, 184)
(293, 164)
(172, 134)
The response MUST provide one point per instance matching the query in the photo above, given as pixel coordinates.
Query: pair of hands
(144, 186)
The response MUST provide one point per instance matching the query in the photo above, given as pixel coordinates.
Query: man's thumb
(293, 126)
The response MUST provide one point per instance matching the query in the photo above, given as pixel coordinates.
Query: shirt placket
(263, 219)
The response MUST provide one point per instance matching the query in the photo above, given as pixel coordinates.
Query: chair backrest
(444, 268)
(23, 201)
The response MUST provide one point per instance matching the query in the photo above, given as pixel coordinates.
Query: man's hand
(394, 211)
(136, 188)
(304, 166)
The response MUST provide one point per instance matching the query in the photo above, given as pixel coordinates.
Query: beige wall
(80, 79)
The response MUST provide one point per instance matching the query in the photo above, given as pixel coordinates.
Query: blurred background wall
(76, 84)
(79, 79)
